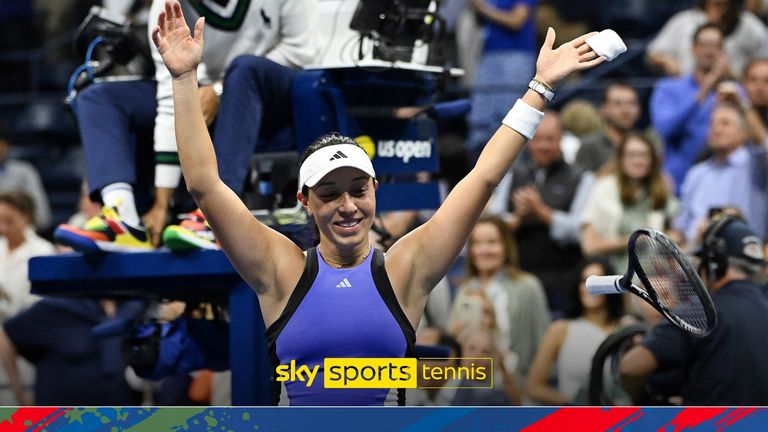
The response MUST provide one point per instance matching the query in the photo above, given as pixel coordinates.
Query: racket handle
(597, 285)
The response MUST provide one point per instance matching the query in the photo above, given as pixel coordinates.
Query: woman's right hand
(180, 51)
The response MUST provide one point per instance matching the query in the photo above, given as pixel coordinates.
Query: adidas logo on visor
(338, 155)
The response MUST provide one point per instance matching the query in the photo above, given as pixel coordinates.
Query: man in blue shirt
(736, 175)
(681, 107)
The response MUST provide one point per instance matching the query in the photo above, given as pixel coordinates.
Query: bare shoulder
(557, 331)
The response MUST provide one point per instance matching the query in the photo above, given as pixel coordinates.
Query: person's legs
(501, 76)
(257, 101)
(111, 117)
(114, 119)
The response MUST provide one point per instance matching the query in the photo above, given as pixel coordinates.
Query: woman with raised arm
(342, 298)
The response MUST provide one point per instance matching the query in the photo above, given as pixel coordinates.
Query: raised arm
(437, 243)
(252, 247)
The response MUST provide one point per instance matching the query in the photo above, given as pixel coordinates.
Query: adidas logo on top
(338, 155)
(344, 284)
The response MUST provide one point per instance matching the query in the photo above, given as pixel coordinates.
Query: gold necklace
(341, 266)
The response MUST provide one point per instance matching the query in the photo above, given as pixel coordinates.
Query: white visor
(327, 159)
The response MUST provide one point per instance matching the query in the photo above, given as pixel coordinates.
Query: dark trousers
(257, 103)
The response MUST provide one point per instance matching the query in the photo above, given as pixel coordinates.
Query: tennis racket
(672, 286)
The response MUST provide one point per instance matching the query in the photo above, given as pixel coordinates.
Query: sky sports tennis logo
(392, 373)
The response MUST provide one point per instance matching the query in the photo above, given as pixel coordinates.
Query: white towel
(607, 43)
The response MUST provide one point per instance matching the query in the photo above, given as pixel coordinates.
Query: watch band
(542, 89)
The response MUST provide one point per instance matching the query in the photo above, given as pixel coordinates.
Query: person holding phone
(517, 298)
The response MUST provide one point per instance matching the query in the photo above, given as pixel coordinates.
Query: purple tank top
(339, 313)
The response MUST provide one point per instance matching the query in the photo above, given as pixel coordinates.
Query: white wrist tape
(523, 118)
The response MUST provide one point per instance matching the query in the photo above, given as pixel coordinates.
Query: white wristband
(523, 118)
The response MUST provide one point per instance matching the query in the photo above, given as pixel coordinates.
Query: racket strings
(668, 279)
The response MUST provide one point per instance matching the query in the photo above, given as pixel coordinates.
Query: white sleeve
(167, 173)
(668, 40)
(565, 227)
(498, 204)
(297, 46)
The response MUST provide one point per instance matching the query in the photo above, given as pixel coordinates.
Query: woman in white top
(18, 243)
(632, 194)
(570, 344)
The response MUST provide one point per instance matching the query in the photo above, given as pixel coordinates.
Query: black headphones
(714, 257)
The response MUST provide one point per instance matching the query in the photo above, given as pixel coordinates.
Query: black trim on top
(383, 285)
(299, 292)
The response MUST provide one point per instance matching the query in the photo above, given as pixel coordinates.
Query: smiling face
(343, 204)
(636, 158)
(486, 248)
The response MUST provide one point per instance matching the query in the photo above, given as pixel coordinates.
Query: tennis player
(342, 298)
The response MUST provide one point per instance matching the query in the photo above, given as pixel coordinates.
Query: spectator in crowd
(735, 175)
(569, 344)
(580, 119)
(16, 175)
(18, 243)
(458, 391)
(73, 367)
(619, 111)
(745, 36)
(545, 199)
(728, 366)
(755, 82)
(507, 60)
(681, 107)
(478, 343)
(249, 61)
(632, 194)
(517, 298)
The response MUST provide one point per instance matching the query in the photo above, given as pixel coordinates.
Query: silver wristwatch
(542, 89)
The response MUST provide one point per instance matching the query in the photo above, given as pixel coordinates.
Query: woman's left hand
(180, 51)
(555, 64)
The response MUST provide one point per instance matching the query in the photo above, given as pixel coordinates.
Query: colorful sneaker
(193, 233)
(105, 232)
